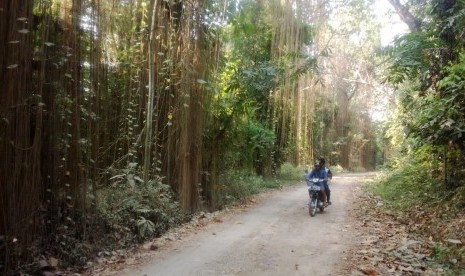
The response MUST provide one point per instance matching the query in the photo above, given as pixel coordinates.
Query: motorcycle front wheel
(312, 206)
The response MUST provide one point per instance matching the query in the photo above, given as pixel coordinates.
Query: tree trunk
(405, 15)
(20, 134)
(151, 97)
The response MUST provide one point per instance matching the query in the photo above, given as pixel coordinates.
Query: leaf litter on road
(383, 244)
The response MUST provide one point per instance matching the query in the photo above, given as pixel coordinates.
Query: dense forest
(120, 119)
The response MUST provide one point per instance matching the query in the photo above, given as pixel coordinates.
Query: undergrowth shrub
(237, 186)
(407, 186)
(417, 194)
(135, 213)
(290, 172)
(125, 212)
(337, 169)
(358, 169)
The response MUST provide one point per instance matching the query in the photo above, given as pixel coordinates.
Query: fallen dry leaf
(369, 271)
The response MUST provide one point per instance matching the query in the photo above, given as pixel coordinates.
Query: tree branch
(405, 15)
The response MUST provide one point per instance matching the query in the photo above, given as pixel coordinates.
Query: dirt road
(273, 237)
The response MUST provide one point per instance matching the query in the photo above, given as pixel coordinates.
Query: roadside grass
(431, 211)
(406, 187)
(290, 173)
(238, 186)
(338, 169)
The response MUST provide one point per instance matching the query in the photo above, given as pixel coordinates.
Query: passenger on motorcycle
(329, 176)
(320, 173)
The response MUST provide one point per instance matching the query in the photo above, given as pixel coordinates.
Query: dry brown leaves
(385, 244)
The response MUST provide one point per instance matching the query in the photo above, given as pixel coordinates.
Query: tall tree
(151, 96)
(21, 130)
(426, 71)
(413, 23)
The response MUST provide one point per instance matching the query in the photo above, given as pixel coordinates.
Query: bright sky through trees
(392, 26)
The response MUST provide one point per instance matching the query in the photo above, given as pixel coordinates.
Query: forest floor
(387, 243)
(274, 235)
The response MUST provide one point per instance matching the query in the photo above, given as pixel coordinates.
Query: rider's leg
(323, 193)
(328, 193)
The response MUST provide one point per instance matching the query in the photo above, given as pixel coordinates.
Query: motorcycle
(314, 192)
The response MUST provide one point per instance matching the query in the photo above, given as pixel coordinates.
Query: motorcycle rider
(329, 175)
(319, 172)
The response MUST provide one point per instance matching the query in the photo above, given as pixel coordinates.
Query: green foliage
(448, 256)
(358, 169)
(437, 122)
(437, 118)
(290, 172)
(259, 143)
(428, 69)
(238, 186)
(412, 189)
(408, 184)
(411, 56)
(239, 112)
(251, 33)
(145, 227)
(253, 82)
(337, 169)
(438, 251)
(452, 124)
(138, 213)
(71, 250)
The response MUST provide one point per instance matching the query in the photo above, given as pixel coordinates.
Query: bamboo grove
(155, 100)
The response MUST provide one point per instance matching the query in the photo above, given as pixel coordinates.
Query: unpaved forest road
(274, 237)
